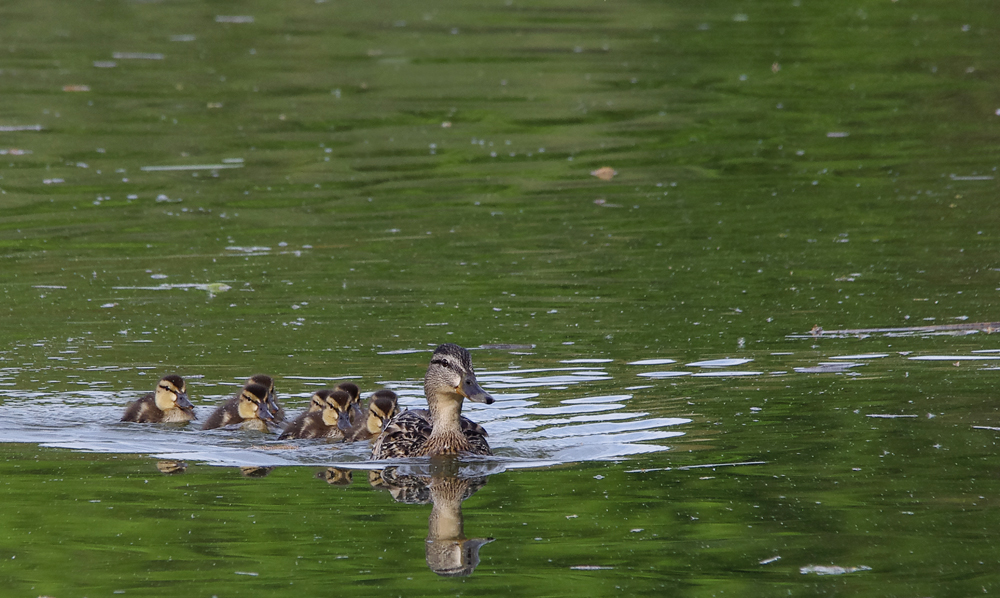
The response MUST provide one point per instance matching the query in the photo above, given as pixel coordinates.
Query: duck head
(450, 373)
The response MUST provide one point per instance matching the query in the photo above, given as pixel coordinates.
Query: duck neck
(445, 414)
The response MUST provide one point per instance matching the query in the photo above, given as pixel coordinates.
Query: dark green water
(316, 189)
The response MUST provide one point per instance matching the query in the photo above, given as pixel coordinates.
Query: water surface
(729, 269)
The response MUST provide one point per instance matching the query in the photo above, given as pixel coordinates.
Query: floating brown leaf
(605, 173)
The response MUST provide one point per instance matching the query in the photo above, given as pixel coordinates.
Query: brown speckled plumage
(333, 421)
(276, 409)
(249, 408)
(440, 429)
(383, 405)
(167, 404)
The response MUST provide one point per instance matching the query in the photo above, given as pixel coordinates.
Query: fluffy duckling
(317, 404)
(168, 403)
(441, 429)
(383, 405)
(333, 421)
(277, 411)
(249, 407)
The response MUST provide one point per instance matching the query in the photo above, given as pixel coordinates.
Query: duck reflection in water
(448, 551)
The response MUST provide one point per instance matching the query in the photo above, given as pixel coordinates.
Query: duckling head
(337, 411)
(253, 403)
(450, 374)
(171, 393)
(355, 392)
(382, 406)
(268, 383)
(351, 389)
(318, 400)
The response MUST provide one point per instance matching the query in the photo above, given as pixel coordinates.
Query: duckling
(382, 406)
(248, 407)
(168, 403)
(272, 402)
(317, 403)
(440, 430)
(334, 421)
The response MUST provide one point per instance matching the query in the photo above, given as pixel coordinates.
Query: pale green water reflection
(315, 189)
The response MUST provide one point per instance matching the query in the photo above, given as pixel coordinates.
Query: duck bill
(264, 413)
(183, 402)
(471, 390)
(344, 420)
(272, 405)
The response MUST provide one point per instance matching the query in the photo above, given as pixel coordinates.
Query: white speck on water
(831, 569)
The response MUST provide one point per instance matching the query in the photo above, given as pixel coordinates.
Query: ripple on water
(523, 431)
(719, 363)
(954, 358)
(652, 362)
(541, 416)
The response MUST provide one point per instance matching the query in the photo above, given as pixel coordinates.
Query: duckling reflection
(335, 476)
(169, 467)
(255, 471)
(448, 551)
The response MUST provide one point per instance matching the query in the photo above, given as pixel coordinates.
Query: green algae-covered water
(728, 268)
